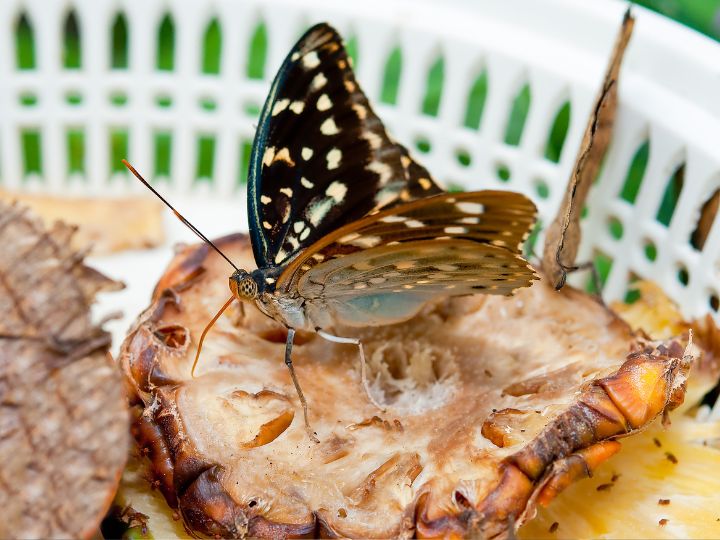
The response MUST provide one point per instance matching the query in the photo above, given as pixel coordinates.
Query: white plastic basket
(555, 50)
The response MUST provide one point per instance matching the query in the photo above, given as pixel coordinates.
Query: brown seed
(554, 527)
(604, 487)
(662, 522)
(615, 477)
(671, 458)
(657, 442)
(342, 513)
(488, 373)
(663, 502)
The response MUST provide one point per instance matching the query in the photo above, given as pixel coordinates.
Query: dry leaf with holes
(105, 225)
(457, 452)
(562, 239)
(63, 412)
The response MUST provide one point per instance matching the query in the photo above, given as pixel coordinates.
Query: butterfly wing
(321, 157)
(496, 223)
(389, 284)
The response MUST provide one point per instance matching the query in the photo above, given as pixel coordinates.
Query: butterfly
(346, 227)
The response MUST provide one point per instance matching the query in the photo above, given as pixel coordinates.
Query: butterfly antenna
(204, 333)
(178, 214)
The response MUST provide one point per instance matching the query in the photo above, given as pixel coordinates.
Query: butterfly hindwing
(498, 219)
(321, 157)
(389, 284)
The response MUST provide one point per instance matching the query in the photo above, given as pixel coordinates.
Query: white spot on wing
(333, 159)
(269, 280)
(287, 191)
(360, 110)
(306, 153)
(268, 156)
(304, 234)
(318, 211)
(306, 183)
(446, 267)
(366, 241)
(298, 226)
(284, 155)
(328, 127)
(318, 81)
(470, 207)
(297, 107)
(324, 103)
(469, 220)
(280, 257)
(280, 106)
(350, 86)
(360, 286)
(293, 242)
(383, 170)
(414, 224)
(265, 199)
(349, 238)
(373, 139)
(393, 219)
(337, 191)
(424, 183)
(455, 230)
(385, 196)
(311, 60)
(267, 225)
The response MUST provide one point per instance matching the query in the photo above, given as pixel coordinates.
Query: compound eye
(247, 288)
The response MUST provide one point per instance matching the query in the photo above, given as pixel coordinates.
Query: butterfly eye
(248, 288)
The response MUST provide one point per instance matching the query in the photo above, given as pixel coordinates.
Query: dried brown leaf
(63, 415)
(563, 235)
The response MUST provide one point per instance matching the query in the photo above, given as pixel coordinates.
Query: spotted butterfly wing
(384, 267)
(321, 157)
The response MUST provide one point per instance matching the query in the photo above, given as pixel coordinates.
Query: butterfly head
(243, 285)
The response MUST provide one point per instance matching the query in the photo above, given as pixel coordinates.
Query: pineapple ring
(443, 460)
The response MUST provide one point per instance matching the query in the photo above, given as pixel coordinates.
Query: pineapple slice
(663, 484)
(482, 420)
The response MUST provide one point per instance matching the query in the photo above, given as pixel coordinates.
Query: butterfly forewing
(321, 157)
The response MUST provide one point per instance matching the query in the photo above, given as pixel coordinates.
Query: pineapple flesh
(493, 405)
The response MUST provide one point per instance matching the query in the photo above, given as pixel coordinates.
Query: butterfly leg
(363, 364)
(289, 364)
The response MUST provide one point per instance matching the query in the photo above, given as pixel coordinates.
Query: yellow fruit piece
(134, 492)
(683, 470)
(654, 312)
